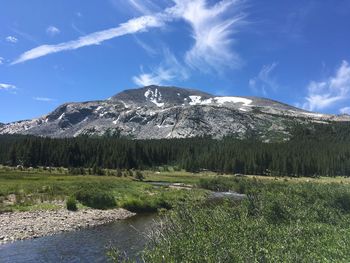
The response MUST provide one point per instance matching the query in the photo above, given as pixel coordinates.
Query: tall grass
(278, 222)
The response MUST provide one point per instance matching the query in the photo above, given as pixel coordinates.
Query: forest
(316, 150)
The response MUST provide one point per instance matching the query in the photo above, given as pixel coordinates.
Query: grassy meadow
(281, 220)
(22, 190)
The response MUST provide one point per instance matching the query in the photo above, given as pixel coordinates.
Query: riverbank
(33, 224)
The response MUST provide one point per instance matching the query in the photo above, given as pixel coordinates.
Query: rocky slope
(170, 112)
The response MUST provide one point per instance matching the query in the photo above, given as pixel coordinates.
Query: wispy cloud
(26, 36)
(264, 81)
(327, 93)
(132, 26)
(166, 72)
(4, 86)
(78, 30)
(143, 7)
(2, 60)
(11, 39)
(140, 6)
(52, 31)
(44, 99)
(213, 28)
(149, 50)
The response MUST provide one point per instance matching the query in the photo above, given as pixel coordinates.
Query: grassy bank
(42, 189)
(278, 222)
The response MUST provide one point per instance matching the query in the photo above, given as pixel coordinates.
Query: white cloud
(43, 99)
(327, 93)
(167, 71)
(144, 7)
(4, 86)
(149, 50)
(345, 110)
(52, 31)
(139, 6)
(213, 27)
(264, 81)
(2, 60)
(11, 39)
(132, 26)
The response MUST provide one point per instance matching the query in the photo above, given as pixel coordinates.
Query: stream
(90, 244)
(86, 245)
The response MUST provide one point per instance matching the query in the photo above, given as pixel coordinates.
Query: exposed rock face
(170, 112)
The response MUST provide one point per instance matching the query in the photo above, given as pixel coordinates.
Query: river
(86, 245)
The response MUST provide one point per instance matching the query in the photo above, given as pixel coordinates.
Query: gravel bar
(26, 225)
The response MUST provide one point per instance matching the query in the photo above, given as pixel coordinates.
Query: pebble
(26, 225)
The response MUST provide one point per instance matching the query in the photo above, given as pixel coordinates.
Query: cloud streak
(44, 99)
(327, 93)
(4, 86)
(167, 71)
(213, 28)
(132, 26)
(264, 81)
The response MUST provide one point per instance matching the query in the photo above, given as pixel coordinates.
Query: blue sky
(52, 52)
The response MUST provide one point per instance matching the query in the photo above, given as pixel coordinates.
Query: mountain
(155, 112)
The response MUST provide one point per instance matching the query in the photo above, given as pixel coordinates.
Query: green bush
(71, 204)
(96, 199)
(119, 173)
(342, 201)
(282, 222)
(139, 176)
(145, 205)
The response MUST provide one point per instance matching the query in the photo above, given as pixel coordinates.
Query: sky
(53, 52)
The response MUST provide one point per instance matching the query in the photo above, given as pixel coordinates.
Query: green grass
(278, 222)
(71, 204)
(33, 188)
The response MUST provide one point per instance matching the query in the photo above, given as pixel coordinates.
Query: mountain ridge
(156, 112)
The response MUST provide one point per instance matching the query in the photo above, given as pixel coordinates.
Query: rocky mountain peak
(159, 96)
(155, 112)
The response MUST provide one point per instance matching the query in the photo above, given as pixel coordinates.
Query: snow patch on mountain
(222, 100)
(197, 100)
(154, 97)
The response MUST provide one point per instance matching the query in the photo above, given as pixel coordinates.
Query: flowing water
(86, 245)
(90, 245)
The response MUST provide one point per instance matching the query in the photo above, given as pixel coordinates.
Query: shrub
(284, 222)
(119, 173)
(139, 176)
(96, 170)
(342, 201)
(96, 199)
(216, 184)
(148, 205)
(71, 204)
(277, 212)
(76, 171)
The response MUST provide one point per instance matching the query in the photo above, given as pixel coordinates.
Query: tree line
(316, 150)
